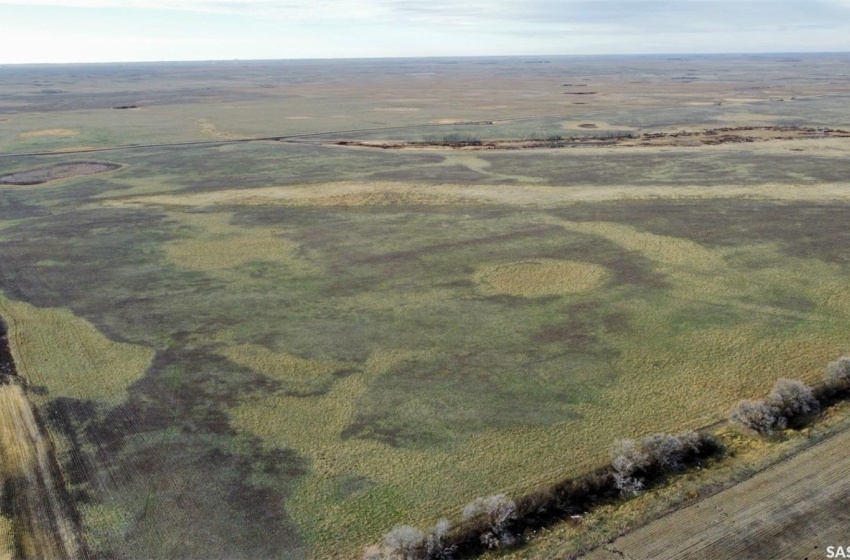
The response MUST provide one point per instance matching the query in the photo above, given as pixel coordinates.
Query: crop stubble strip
(46, 524)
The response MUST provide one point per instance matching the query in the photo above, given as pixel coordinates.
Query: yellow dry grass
(385, 194)
(297, 374)
(40, 527)
(69, 356)
(54, 132)
(16, 449)
(540, 277)
(216, 254)
(217, 245)
(7, 543)
(329, 194)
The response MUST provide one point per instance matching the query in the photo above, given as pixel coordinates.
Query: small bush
(497, 512)
(838, 372)
(792, 398)
(693, 442)
(628, 484)
(629, 458)
(404, 542)
(758, 416)
(665, 451)
(436, 547)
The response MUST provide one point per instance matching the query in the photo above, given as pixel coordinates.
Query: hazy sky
(135, 30)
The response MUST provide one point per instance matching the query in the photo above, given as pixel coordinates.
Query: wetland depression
(55, 172)
(274, 349)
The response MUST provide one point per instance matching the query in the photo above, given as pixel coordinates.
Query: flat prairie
(259, 333)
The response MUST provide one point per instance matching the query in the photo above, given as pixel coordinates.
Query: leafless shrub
(404, 542)
(628, 484)
(436, 547)
(497, 511)
(692, 442)
(758, 416)
(628, 458)
(838, 372)
(792, 398)
(665, 451)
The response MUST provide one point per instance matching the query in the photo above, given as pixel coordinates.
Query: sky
(60, 31)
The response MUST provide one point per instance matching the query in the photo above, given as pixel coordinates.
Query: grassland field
(283, 349)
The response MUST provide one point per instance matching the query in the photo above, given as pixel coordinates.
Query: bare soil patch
(41, 175)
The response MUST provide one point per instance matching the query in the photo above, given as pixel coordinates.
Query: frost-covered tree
(838, 372)
(792, 398)
(404, 542)
(628, 458)
(758, 416)
(436, 547)
(692, 441)
(666, 451)
(497, 511)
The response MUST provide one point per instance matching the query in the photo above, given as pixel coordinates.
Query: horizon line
(423, 57)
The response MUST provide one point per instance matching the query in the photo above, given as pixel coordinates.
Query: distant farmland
(285, 348)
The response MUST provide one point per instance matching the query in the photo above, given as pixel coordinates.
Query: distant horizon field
(276, 349)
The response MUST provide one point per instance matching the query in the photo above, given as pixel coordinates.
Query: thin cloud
(290, 9)
(634, 12)
(204, 29)
(637, 14)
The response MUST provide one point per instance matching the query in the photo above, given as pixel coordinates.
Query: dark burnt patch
(583, 328)
(192, 486)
